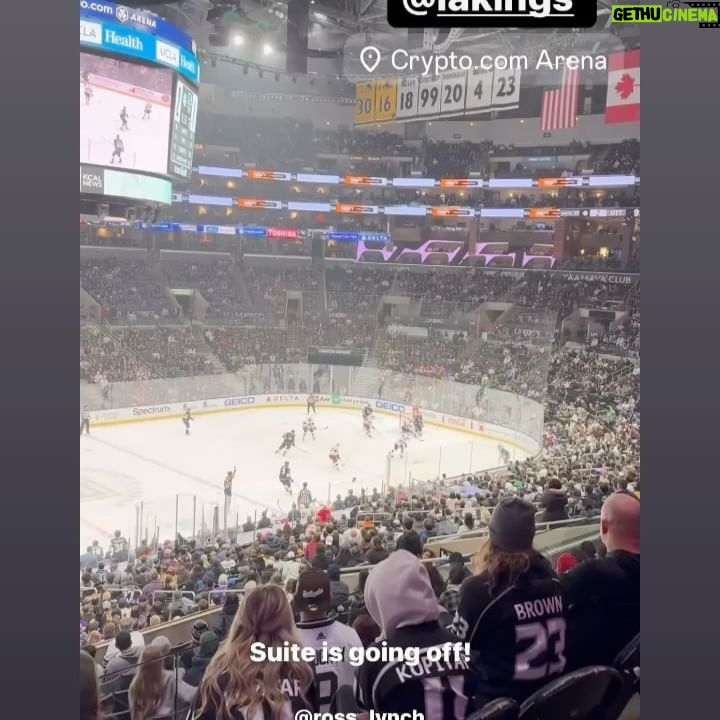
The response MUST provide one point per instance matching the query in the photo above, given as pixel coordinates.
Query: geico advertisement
(240, 401)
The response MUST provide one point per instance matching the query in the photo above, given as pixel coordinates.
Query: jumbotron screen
(138, 91)
(124, 114)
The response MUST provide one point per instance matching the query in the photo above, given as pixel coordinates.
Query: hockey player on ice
(399, 448)
(504, 455)
(288, 442)
(124, 118)
(308, 427)
(147, 111)
(335, 456)
(417, 424)
(118, 149)
(285, 477)
(368, 424)
(187, 419)
(87, 89)
(407, 428)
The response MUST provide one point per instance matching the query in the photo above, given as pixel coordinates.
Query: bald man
(603, 596)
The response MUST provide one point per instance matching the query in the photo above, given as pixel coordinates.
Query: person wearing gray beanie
(512, 612)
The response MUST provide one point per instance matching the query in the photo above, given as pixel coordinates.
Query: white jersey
(330, 676)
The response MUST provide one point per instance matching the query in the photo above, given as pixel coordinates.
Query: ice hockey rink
(146, 141)
(152, 462)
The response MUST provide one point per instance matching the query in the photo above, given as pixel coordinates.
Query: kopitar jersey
(441, 689)
(516, 631)
(329, 676)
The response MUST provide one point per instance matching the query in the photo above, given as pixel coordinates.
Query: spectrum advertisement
(119, 39)
(137, 19)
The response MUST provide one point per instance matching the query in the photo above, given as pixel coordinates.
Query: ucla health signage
(140, 20)
(118, 39)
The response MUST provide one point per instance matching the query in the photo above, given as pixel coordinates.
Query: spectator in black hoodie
(603, 595)
(554, 501)
(193, 676)
(410, 540)
(377, 553)
(230, 608)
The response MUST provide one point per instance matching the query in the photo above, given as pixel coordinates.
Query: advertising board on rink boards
(246, 402)
(452, 93)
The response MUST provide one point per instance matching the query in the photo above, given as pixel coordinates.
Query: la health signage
(140, 20)
(118, 39)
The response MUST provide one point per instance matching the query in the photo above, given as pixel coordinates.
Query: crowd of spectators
(267, 329)
(215, 280)
(172, 351)
(383, 537)
(620, 159)
(126, 290)
(287, 145)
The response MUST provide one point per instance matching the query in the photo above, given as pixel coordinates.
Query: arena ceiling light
(267, 49)
(238, 40)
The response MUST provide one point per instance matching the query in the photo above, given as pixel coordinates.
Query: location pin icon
(370, 58)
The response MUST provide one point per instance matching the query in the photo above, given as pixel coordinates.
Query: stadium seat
(500, 709)
(584, 694)
(626, 663)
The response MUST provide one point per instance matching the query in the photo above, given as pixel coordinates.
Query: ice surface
(152, 462)
(146, 141)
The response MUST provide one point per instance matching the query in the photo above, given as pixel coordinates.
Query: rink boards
(507, 436)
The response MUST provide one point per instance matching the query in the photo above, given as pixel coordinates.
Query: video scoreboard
(450, 94)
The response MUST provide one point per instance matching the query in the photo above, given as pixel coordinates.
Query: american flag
(559, 104)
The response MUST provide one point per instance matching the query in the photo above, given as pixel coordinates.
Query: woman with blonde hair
(512, 612)
(152, 691)
(238, 687)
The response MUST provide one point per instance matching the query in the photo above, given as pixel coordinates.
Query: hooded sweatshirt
(603, 599)
(120, 669)
(401, 600)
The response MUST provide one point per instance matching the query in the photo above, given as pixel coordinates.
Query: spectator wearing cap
(227, 615)
(313, 600)
(456, 560)
(603, 595)
(512, 611)
(565, 562)
(198, 628)
(191, 680)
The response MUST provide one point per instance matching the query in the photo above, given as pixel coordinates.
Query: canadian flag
(623, 93)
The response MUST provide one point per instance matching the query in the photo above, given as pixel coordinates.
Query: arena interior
(337, 326)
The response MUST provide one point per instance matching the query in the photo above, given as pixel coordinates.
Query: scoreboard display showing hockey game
(139, 77)
(449, 94)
